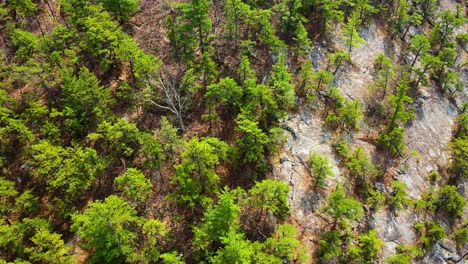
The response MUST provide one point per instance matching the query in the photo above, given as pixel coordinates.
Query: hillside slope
(234, 131)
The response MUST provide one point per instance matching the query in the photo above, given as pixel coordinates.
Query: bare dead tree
(172, 92)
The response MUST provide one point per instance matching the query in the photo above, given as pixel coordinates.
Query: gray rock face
(427, 136)
(443, 252)
(397, 229)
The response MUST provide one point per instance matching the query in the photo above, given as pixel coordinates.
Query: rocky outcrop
(427, 136)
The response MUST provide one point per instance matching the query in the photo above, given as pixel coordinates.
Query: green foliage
(360, 167)
(419, 46)
(280, 84)
(322, 77)
(26, 203)
(100, 37)
(430, 232)
(442, 32)
(25, 42)
(399, 196)
(428, 201)
(393, 141)
(120, 138)
(370, 244)
(292, 22)
(14, 133)
(266, 103)
(271, 195)
(226, 93)
(342, 208)
(235, 13)
(261, 21)
(397, 103)
(347, 114)
(11, 237)
(428, 62)
(450, 82)
(304, 81)
(330, 11)
(195, 176)
(366, 8)
(23, 7)
(354, 254)
(261, 104)
(252, 143)
(460, 156)
(404, 255)
(330, 245)
(41, 244)
(351, 35)
(7, 192)
(375, 198)
(284, 245)
(49, 247)
(151, 150)
(405, 16)
(135, 187)
(338, 59)
(236, 249)
(320, 168)
(107, 230)
(350, 115)
(171, 258)
(218, 222)
(59, 127)
(154, 231)
(191, 28)
(449, 199)
(85, 101)
(144, 66)
(69, 170)
(461, 236)
(462, 122)
(167, 136)
(385, 73)
(342, 148)
(434, 176)
(121, 9)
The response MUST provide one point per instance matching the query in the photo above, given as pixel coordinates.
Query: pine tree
(281, 86)
(460, 156)
(134, 186)
(399, 196)
(419, 46)
(337, 59)
(121, 9)
(69, 171)
(385, 73)
(342, 208)
(450, 200)
(271, 196)
(351, 37)
(195, 176)
(252, 144)
(320, 168)
(192, 27)
(236, 12)
(218, 222)
(370, 244)
(330, 245)
(392, 139)
(107, 230)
